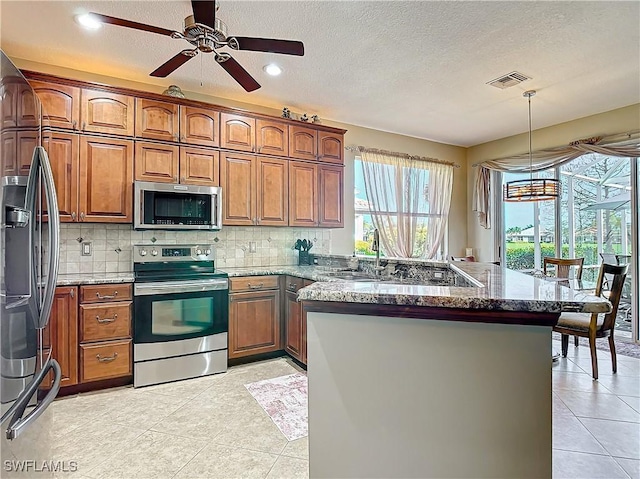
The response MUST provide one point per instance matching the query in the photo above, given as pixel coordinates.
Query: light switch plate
(86, 248)
(252, 246)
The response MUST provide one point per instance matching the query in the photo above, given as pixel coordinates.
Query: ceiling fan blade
(287, 47)
(238, 73)
(129, 24)
(204, 12)
(173, 64)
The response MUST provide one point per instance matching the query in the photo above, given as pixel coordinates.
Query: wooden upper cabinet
(272, 178)
(303, 142)
(237, 132)
(8, 150)
(237, 178)
(199, 126)
(26, 141)
(9, 94)
(199, 166)
(330, 147)
(330, 181)
(157, 120)
(60, 103)
(106, 180)
(28, 107)
(303, 194)
(62, 149)
(272, 138)
(156, 162)
(103, 112)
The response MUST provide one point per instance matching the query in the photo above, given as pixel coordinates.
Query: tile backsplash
(112, 245)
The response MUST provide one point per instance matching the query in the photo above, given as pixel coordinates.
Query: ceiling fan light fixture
(88, 21)
(272, 69)
(531, 189)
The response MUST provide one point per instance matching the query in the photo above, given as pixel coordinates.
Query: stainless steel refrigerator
(29, 251)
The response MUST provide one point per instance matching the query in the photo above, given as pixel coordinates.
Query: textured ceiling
(417, 68)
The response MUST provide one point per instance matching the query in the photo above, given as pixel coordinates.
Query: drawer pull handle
(107, 359)
(257, 286)
(107, 296)
(107, 320)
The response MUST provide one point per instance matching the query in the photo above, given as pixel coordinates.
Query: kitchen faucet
(375, 246)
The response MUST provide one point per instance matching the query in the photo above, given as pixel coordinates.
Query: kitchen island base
(404, 397)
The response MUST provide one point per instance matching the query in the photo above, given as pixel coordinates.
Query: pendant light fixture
(533, 189)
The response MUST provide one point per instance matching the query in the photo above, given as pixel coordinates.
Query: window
(401, 192)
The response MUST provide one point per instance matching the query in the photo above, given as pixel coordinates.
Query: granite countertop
(72, 279)
(502, 290)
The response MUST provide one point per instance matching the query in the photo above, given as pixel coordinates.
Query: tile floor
(213, 428)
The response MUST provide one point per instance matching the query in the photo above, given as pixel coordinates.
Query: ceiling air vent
(508, 80)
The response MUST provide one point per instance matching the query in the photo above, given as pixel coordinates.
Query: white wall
(620, 120)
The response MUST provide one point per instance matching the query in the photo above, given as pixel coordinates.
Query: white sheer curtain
(623, 145)
(407, 196)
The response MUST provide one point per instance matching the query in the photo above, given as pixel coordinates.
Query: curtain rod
(361, 149)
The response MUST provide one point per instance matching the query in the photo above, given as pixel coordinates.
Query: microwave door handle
(19, 423)
(54, 239)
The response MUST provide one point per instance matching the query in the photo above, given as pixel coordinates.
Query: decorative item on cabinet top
(174, 91)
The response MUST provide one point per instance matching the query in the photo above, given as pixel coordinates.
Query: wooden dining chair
(563, 266)
(596, 326)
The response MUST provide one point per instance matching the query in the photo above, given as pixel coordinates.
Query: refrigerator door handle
(19, 423)
(54, 237)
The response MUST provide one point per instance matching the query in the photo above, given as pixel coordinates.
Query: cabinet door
(238, 177)
(272, 138)
(238, 132)
(28, 107)
(331, 212)
(330, 147)
(199, 166)
(9, 152)
(60, 103)
(254, 323)
(9, 94)
(63, 155)
(156, 162)
(273, 192)
(199, 126)
(106, 180)
(26, 142)
(104, 112)
(293, 326)
(304, 326)
(303, 142)
(156, 120)
(62, 333)
(303, 194)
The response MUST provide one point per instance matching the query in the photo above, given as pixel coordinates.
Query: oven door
(175, 310)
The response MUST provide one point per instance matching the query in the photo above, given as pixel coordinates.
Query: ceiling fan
(208, 34)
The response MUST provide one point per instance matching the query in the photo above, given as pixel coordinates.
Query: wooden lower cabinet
(105, 360)
(254, 323)
(293, 318)
(61, 334)
(303, 313)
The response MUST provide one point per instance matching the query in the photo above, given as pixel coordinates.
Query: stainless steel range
(181, 320)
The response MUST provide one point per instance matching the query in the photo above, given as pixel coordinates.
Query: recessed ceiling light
(88, 21)
(272, 69)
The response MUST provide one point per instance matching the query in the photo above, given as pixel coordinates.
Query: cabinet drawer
(253, 283)
(293, 284)
(106, 360)
(99, 322)
(99, 293)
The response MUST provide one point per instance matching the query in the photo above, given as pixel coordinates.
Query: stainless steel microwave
(177, 207)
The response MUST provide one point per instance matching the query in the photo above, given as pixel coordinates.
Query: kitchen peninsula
(434, 381)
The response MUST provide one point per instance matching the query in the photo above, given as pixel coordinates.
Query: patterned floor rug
(624, 347)
(285, 401)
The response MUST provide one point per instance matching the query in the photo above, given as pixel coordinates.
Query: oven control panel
(150, 253)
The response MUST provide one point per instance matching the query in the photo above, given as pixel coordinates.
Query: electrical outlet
(252, 246)
(86, 248)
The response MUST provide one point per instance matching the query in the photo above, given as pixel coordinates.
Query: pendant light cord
(529, 94)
